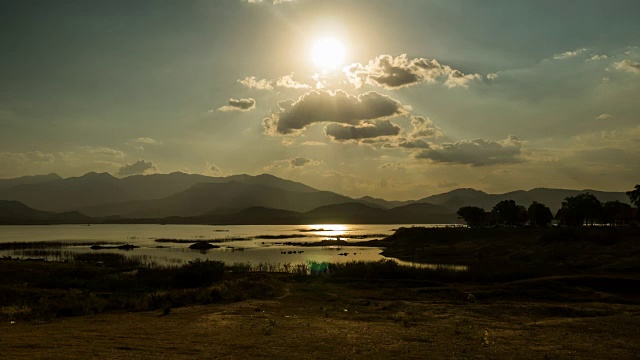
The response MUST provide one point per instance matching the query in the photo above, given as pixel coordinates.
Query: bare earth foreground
(319, 319)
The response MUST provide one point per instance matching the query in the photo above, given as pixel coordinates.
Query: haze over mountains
(245, 198)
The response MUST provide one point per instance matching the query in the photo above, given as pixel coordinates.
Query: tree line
(579, 210)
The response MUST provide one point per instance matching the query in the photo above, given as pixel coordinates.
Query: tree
(612, 211)
(508, 211)
(581, 208)
(472, 215)
(634, 196)
(539, 214)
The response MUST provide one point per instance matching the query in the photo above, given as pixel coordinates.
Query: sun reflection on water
(329, 230)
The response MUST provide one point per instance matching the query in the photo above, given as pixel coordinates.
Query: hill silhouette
(344, 213)
(93, 189)
(15, 213)
(553, 198)
(25, 180)
(190, 195)
(207, 197)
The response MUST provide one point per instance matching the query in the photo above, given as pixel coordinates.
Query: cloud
(597, 57)
(141, 142)
(299, 162)
(252, 83)
(212, 169)
(628, 66)
(476, 152)
(26, 157)
(285, 81)
(393, 73)
(492, 76)
(104, 151)
(415, 144)
(604, 116)
(568, 54)
(288, 82)
(313, 143)
(424, 128)
(457, 78)
(147, 141)
(239, 105)
(394, 165)
(373, 129)
(327, 106)
(293, 163)
(138, 167)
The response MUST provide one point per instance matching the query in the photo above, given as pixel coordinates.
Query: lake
(253, 244)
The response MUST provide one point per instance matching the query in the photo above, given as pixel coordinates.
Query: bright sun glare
(328, 53)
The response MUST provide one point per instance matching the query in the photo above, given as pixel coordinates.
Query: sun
(328, 53)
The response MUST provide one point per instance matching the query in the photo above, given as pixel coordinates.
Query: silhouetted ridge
(25, 180)
(15, 212)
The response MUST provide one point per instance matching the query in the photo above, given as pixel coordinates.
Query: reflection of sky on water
(249, 250)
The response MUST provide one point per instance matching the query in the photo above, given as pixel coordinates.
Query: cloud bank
(476, 152)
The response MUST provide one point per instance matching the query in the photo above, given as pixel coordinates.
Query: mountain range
(192, 198)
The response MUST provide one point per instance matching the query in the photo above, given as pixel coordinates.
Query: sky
(393, 99)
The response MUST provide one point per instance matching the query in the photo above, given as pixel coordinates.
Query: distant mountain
(454, 194)
(15, 212)
(343, 213)
(188, 195)
(382, 202)
(422, 213)
(95, 189)
(66, 194)
(348, 213)
(210, 197)
(553, 198)
(25, 180)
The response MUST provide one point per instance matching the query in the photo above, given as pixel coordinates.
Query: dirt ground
(322, 319)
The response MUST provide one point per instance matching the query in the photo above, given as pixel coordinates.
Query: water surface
(253, 244)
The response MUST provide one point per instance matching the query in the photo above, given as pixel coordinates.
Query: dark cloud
(476, 152)
(239, 105)
(293, 163)
(138, 167)
(392, 73)
(373, 129)
(299, 161)
(327, 106)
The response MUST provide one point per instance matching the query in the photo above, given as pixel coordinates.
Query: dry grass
(328, 320)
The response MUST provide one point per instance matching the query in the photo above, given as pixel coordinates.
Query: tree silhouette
(539, 214)
(634, 196)
(612, 211)
(472, 215)
(580, 208)
(509, 212)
